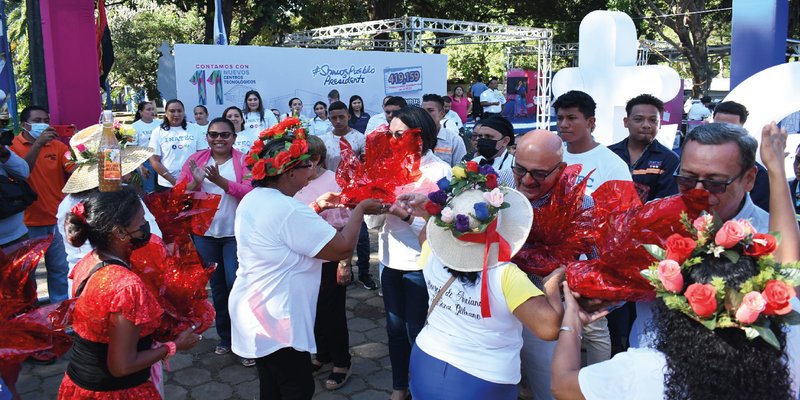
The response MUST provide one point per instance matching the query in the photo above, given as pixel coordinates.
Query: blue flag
(220, 37)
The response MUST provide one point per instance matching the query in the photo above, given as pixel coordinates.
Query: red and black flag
(105, 50)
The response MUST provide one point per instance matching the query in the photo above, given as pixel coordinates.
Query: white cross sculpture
(607, 71)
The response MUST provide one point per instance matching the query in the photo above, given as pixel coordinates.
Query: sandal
(316, 366)
(337, 379)
(248, 362)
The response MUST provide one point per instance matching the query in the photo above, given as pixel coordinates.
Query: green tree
(137, 35)
(20, 53)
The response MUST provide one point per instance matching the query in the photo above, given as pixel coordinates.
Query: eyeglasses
(214, 135)
(713, 187)
(537, 174)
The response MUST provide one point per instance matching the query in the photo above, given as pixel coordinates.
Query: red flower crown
(760, 299)
(263, 165)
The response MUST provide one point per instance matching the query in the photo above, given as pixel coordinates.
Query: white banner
(219, 76)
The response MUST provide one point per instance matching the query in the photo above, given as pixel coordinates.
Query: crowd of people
(462, 319)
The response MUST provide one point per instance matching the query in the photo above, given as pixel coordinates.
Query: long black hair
(241, 114)
(260, 109)
(415, 117)
(720, 363)
(165, 125)
(350, 106)
(102, 212)
(139, 108)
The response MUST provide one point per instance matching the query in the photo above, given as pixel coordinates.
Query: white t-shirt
(398, 241)
(222, 224)
(607, 165)
(636, 374)
(274, 298)
(355, 138)
(174, 146)
(453, 119)
(143, 131)
(320, 127)
(245, 139)
(374, 122)
(252, 120)
(493, 96)
(199, 132)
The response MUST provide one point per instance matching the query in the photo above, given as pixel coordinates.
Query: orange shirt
(47, 178)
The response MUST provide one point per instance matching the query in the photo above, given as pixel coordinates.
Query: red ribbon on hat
(488, 237)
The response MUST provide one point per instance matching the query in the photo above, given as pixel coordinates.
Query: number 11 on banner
(214, 79)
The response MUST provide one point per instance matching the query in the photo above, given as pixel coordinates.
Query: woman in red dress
(115, 314)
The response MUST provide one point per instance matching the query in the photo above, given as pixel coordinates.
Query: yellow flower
(459, 172)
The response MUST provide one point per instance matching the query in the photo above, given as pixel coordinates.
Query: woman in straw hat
(281, 246)
(115, 313)
(221, 170)
(84, 180)
(726, 313)
(469, 348)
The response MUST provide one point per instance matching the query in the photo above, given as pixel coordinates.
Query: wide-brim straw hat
(86, 176)
(513, 224)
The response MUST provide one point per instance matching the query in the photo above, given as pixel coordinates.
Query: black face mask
(487, 148)
(139, 242)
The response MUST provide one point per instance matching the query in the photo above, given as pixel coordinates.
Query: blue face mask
(37, 129)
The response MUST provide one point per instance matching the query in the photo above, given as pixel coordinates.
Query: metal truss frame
(413, 35)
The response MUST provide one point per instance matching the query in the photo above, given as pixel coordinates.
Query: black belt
(88, 366)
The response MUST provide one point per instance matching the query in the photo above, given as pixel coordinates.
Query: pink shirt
(326, 182)
(460, 108)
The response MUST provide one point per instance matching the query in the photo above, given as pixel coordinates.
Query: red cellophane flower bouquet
(561, 230)
(622, 225)
(26, 330)
(172, 268)
(389, 163)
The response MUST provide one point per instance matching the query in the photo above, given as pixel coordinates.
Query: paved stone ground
(201, 374)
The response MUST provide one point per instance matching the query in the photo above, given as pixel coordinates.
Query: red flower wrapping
(389, 163)
(622, 226)
(17, 290)
(172, 269)
(561, 229)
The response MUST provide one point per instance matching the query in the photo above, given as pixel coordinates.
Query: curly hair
(720, 363)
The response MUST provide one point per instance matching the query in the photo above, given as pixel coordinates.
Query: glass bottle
(108, 156)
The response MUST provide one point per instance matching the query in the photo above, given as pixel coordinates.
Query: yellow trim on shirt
(424, 253)
(517, 287)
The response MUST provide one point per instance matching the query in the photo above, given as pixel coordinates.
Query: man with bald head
(538, 166)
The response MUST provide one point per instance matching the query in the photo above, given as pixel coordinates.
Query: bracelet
(569, 329)
(171, 349)
(316, 207)
(407, 218)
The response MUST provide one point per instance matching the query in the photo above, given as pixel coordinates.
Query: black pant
(285, 375)
(330, 326)
(477, 108)
(362, 251)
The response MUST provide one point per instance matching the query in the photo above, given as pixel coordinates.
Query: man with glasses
(651, 164)
(719, 158)
(538, 166)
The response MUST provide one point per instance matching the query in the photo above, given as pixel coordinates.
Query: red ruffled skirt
(70, 391)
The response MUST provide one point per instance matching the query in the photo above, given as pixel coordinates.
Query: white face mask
(37, 128)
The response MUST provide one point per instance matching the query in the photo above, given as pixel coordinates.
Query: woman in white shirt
(200, 125)
(281, 246)
(255, 116)
(244, 137)
(405, 296)
(320, 125)
(144, 123)
(172, 145)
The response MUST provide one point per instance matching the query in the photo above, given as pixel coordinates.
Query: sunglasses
(536, 174)
(713, 187)
(214, 135)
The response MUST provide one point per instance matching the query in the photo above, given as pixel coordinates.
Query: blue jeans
(223, 252)
(149, 184)
(55, 260)
(405, 299)
(435, 379)
(362, 251)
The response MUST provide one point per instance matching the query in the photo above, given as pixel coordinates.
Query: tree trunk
(36, 48)
(382, 9)
(208, 18)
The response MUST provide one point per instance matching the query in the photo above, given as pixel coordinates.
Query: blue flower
(444, 184)
(438, 197)
(481, 211)
(462, 223)
(487, 169)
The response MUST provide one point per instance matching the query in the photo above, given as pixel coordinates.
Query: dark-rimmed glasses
(214, 135)
(713, 187)
(536, 174)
